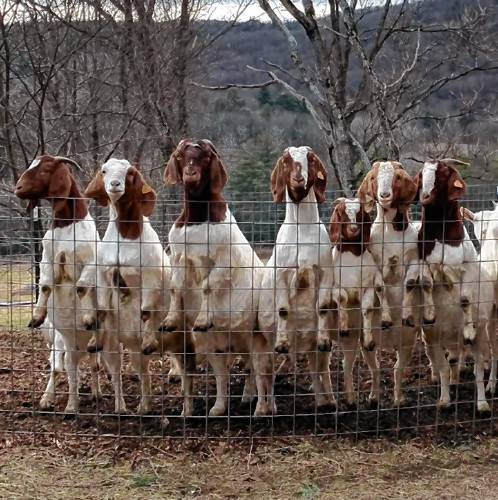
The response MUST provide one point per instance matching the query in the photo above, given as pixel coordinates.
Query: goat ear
(467, 214)
(278, 184)
(145, 194)
(418, 183)
(456, 186)
(367, 191)
(335, 228)
(217, 172)
(96, 190)
(320, 184)
(173, 174)
(60, 182)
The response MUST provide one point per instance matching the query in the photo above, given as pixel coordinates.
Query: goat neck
(304, 212)
(69, 210)
(201, 207)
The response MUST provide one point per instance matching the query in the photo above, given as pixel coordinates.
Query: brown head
(197, 165)
(122, 184)
(439, 181)
(298, 171)
(350, 224)
(389, 185)
(50, 177)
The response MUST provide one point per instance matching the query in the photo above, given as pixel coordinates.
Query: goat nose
(385, 194)
(115, 183)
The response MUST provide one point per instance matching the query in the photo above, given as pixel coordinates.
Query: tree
(371, 71)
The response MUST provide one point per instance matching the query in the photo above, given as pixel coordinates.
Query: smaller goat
(69, 249)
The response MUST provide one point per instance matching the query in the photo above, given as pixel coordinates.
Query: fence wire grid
(26, 358)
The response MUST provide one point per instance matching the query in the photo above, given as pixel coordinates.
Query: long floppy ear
(278, 184)
(320, 184)
(217, 171)
(60, 184)
(418, 183)
(367, 192)
(335, 228)
(456, 185)
(96, 189)
(409, 188)
(145, 194)
(173, 174)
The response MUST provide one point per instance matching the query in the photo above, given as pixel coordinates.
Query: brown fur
(52, 179)
(341, 235)
(441, 214)
(138, 201)
(285, 168)
(203, 197)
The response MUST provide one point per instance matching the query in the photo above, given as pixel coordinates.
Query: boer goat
(354, 287)
(132, 280)
(216, 276)
(291, 279)
(458, 301)
(69, 249)
(393, 244)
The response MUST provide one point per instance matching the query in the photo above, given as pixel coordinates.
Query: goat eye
(104, 172)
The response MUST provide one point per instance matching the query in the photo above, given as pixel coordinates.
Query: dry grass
(308, 469)
(15, 286)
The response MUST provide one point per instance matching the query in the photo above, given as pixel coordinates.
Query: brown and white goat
(69, 249)
(133, 281)
(459, 301)
(216, 276)
(291, 279)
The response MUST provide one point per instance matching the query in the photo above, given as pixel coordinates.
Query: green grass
(15, 286)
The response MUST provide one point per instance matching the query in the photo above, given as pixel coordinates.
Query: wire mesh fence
(32, 357)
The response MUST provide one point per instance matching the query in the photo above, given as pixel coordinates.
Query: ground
(312, 468)
(364, 452)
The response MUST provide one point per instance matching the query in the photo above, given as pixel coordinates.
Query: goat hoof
(344, 333)
(282, 349)
(467, 341)
(444, 404)
(324, 346)
(408, 322)
(200, 328)
(373, 402)
(35, 322)
(93, 326)
(93, 346)
(167, 328)
(428, 322)
(46, 403)
(386, 325)
(483, 407)
(491, 388)
(149, 349)
(370, 346)
(327, 405)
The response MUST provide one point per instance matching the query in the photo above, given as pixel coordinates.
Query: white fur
(225, 296)
(428, 178)
(352, 206)
(302, 242)
(385, 179)
(300, 155)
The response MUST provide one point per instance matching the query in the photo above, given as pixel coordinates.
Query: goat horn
(454, 162)
(466, 213)
(71, 162)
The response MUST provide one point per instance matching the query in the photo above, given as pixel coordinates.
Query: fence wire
(28, 355)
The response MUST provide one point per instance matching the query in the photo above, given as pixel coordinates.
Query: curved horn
(71, 162)
(454, 163)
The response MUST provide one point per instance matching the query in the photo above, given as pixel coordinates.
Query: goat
(216, 275)
(393, 245)
(292, 275)
(352, 288)
(69, 249)
(133, 279)
(458, 287)
(486, 230)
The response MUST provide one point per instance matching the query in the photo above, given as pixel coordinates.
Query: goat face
(349, 222)
(47, 177)
(298, 170)
(121, 183)
(198, 167)
(439, 181)
(388, 184)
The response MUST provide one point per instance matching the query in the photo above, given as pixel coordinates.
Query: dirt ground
(312, 468)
